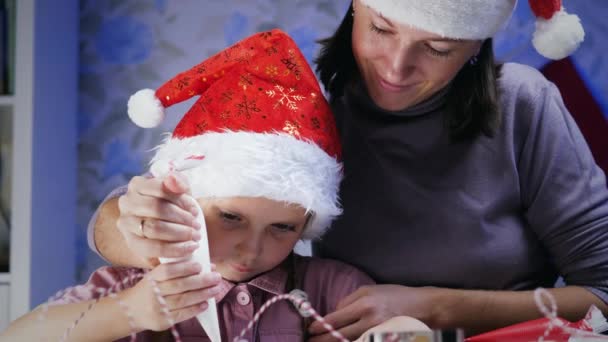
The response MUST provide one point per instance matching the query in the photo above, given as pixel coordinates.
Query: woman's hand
(372, 305)
(182, 286)
(157, 218)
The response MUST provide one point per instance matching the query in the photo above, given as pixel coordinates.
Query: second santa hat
(260, 128)
(557, 34)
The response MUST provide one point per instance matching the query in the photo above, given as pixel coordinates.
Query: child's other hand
(183, 287)
(157, 218)
(372, 305)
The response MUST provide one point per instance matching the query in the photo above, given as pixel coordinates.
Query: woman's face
(403, 66)
(249, 236)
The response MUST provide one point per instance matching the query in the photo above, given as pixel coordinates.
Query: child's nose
(252, 246)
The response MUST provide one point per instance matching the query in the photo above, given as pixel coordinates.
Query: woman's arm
(105, 322)
(479, 311)
(474, 310)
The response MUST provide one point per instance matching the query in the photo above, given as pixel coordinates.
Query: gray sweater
(512, 212)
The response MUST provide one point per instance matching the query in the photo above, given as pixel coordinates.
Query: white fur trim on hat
(458, 19)
(559, 36)
(275, 166)
(145, 109)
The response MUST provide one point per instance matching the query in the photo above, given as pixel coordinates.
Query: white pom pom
(145, 110)
(559, 36)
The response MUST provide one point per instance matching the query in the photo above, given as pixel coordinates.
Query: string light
(545, 303)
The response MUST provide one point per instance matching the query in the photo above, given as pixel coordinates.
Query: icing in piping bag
(208, 318)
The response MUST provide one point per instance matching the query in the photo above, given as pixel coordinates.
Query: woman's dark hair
(336, 64)
(472, 104)
(471, 107)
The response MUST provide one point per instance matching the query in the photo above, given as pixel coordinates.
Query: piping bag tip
(208, 319)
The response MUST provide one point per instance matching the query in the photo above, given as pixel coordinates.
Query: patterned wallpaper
(129, 45)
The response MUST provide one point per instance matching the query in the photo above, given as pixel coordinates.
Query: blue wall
(54, 160)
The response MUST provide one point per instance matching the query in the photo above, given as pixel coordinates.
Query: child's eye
(376, 29)
(230, 217)
(284, 227)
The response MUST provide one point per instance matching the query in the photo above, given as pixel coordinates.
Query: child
(260, 151)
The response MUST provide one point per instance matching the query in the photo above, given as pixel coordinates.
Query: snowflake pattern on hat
(260, 128)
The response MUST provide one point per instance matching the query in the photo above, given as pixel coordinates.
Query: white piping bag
(208, 318)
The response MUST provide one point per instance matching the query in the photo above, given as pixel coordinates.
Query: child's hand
(183, 287)
(372, 305)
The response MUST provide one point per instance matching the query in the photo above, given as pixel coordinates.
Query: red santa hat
(260, 128)
(557, 33)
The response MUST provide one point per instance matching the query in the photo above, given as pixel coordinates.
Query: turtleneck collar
(357, 93)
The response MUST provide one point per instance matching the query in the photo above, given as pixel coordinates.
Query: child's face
(249, 236)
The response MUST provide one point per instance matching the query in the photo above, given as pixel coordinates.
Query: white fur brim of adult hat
(460, 19)
(145, 109)
(559, 36)
(275, 166)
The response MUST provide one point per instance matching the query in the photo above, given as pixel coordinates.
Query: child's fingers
(149, 248)
(350, 332)
(189, 283)
(172, 270)
(339, 319)
(184, 300)
(184, 314)
(353, 297)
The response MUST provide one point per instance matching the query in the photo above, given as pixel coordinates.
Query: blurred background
(102, 51)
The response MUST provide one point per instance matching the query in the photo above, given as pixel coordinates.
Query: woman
(466, 184)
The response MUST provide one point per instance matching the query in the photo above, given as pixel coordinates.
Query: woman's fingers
(167, 189)
(168, 231)
(158, 217)
(163, 199)
(176, 183)
(153, 207)
(158, 230)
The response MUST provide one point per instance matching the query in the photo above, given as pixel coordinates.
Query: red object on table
(529, 331)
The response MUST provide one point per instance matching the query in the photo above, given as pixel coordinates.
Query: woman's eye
(376, 29)
(436, 52)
